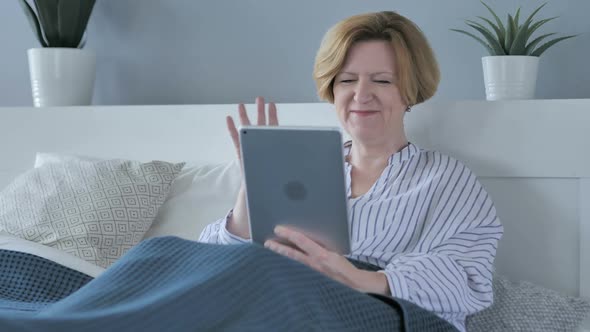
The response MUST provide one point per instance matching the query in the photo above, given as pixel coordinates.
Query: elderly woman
(419, 218)
(424, 232)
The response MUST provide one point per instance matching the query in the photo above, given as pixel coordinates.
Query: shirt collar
(404, 154)
(398, 157)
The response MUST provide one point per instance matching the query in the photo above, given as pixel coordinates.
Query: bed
(532, 157)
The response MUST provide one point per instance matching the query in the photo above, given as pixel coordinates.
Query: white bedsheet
(10, 242)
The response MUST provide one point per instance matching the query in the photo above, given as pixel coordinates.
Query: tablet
(294, 176)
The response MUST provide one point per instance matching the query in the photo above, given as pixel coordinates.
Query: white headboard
(532, 156)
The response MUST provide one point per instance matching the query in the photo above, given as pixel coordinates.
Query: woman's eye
(383, 82)
(346, 81)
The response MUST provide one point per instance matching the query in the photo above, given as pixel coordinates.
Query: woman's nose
(362, 92)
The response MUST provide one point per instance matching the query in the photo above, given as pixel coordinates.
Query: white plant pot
(510, 76)
(61, 76)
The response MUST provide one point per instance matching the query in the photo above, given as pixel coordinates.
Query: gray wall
(229, 51)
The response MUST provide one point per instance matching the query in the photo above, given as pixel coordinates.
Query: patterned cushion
(202, 193)
(525, 306)
(94, 210)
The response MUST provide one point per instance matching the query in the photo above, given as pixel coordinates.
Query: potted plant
(510, 72)
(62, 73)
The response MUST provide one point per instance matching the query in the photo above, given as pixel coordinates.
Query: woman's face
(366, 95)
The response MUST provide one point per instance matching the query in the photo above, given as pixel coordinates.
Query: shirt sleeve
(450, 270)
(217, 233)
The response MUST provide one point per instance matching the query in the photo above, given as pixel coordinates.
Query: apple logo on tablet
(295, 190)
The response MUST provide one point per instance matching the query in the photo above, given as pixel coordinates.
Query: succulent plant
(512, 38)
(59, 23)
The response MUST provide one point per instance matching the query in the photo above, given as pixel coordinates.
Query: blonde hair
(416, 66)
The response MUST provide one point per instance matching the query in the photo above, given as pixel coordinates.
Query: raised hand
(238, 223)
(245, 121)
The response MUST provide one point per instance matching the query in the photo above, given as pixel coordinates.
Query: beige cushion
(95, 210)
(202, 193)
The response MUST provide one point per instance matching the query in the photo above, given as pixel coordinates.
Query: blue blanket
(178, 285)
(29, 283)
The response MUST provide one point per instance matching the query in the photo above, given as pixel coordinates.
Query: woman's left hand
(327, 262)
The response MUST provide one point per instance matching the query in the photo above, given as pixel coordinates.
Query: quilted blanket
(177, 285)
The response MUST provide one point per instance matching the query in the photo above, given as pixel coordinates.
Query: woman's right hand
(238, 222)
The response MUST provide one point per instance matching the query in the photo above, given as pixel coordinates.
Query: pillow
(525, 306)
(96, 210)
(202, 193)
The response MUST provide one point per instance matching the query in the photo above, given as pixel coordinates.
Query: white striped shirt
(429, 224)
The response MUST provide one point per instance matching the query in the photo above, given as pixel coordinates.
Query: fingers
(261, 113)
(284, 250)
(233, 132)
(244, 120)
(307, 245)
(273, 119)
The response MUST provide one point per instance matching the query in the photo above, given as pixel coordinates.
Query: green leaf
(499, 33)
(47, 10)
(85, 13)
(519, 43)
(523, 33)
(481, 41)
(514, 28)
(537, 25)
(545, 46)
(513, 37)
(509, 33)
(535, 42)
(82, 42)
(73, 16)
(516, 17)
(500, 24)
(530, 18)
(68, 21)
(33, 21)
(493, 42)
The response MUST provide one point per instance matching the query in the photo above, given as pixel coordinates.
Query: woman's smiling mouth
(364, 113)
